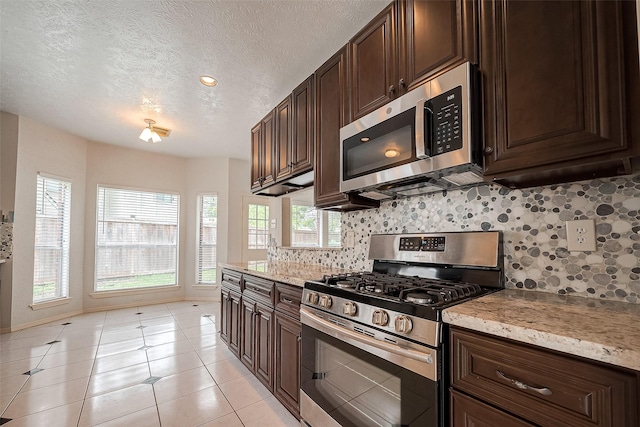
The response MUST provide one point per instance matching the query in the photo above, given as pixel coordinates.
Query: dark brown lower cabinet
(469, 412)
(287, 369)
(540, 386)
(247, 332)
(256, 331)
(230, 313)
(263, 325)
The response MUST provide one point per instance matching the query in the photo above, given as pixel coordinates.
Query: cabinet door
(302, 141)
(283, 162)
(264, 345)
(469, 412)
(435, 36)
(256, 156)
(332, 112)
(224, 316)
(374, 64)
(247, 334)
(554, 92)
(287, 371)
(234, 323)
(268, 140)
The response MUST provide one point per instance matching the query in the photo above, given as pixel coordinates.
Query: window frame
(105, 292)
(199, 201)
(62, 288)
(266, 230)
(323, 227)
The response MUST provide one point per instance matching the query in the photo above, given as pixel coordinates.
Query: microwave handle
(423, 133)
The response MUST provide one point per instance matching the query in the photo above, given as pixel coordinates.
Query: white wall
(8, 160)
(42, 148)
(239, 186)
(209, 175)
(136, 169)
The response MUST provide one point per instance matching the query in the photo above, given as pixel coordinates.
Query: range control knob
(312, 298)
(325, 301)
(380, 318)
(403, 324)
(349, 308)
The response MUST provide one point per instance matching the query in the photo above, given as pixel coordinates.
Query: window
(136, 239)
(334, 227)
(311, 227)
(53, 229)
(305, 226)
(207, 237)
(258, 226)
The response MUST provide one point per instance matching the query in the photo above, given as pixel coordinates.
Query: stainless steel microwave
(424, 141)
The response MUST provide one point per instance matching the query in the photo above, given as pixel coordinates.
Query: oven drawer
(544, 387)
(288, 300)
(259, 289)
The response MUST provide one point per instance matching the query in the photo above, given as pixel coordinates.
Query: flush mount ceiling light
(208, 81)
(153, 133)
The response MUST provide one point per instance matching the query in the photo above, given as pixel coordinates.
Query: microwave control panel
(423, 244)
(447, 121)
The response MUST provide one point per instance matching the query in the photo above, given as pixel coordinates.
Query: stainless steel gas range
(373, 345)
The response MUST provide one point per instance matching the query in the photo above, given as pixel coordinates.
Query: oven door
(352, 380)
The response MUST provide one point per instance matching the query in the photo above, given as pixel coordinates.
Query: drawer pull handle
(522, 386)
(287, 300)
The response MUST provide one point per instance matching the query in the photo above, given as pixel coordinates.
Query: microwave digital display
(447, 122)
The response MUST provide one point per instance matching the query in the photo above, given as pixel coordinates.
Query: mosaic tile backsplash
(6, 240)
(533, 225)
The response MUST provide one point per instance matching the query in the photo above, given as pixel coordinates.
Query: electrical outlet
(581, 235)
(350, 241)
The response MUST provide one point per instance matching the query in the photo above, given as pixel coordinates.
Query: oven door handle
(421, 362)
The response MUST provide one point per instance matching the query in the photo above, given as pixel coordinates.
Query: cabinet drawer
(232, 279)
(546, 388)
(288, 300)
(259, 289)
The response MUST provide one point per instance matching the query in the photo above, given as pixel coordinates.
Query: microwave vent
(464, 178)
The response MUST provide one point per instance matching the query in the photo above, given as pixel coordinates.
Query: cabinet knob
(392, 89)
(402, 84)
(488, 150)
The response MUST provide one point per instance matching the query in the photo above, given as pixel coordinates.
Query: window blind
(207, 237)
(136, 239)
(53, 230)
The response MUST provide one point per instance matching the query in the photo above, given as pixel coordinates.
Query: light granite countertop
(606, 331)
(285, 272)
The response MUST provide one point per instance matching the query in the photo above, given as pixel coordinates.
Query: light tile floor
(156, 365)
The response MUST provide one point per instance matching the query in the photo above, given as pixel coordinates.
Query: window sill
(111, 294)
(205, 287)
(51, 303)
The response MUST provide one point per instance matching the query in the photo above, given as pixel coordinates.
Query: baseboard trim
(96, 309)
(133, 304)
(43, 321)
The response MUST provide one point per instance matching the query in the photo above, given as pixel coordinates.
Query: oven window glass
(359, 389)
(388, 144)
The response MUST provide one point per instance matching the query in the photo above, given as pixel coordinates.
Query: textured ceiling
(98, 68)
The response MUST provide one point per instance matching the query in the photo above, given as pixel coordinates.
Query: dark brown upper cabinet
(560, 90)
(262, 152)
(302, 132)
(289, 131)
(332, 112)
(374, 64)
(406, 44)
(283, 139)
(434, 36)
